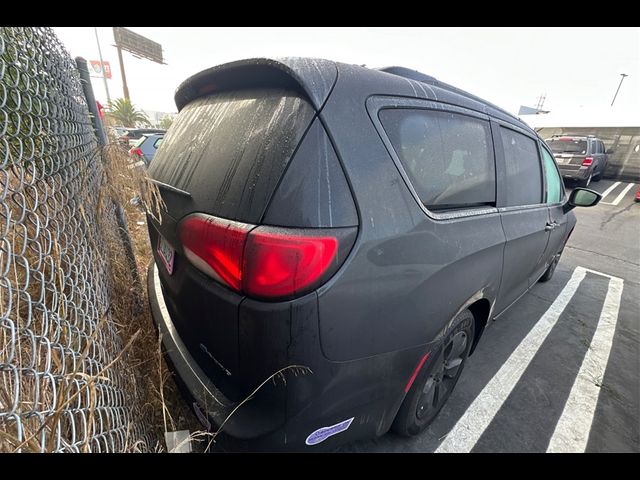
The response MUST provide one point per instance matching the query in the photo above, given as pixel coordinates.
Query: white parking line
(479, 415)
(609, 190)
(620, 196)
(572, 430)
(602, 274)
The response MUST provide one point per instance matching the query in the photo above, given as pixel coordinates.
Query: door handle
(550, 226)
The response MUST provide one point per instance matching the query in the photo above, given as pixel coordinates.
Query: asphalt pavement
(559, 372)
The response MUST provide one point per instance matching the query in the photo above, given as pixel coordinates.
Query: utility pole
(124, 77)
(619, 85)
(104, 75)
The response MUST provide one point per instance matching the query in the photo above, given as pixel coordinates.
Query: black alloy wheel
(437, 378)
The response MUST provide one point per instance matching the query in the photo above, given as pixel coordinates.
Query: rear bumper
(366, 392)
(575, 174)
(255, 420)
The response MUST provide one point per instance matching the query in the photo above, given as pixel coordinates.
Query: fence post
(123, 230)
(85, 79)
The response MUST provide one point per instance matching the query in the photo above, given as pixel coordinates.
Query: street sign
(137, 44)
(97, 68)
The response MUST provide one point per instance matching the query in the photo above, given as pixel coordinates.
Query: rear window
(568, 145)
(140, 141)
(133, 134)
(229, 149)
(448, 157)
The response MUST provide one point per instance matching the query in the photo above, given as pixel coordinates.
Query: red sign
(100, 110)
(97, 68)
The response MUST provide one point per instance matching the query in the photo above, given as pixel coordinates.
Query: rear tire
(435, 382)
(551, 270)
(598, 177)
(585, 183)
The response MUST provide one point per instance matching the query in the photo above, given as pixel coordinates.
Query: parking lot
(559, 371)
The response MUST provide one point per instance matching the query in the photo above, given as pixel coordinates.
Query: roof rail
(408, 73)
(571, 135)
(428, 79)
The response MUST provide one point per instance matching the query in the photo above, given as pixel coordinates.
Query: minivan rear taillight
(587, 161)
(264, 262)
(215, 246)
(280, 263)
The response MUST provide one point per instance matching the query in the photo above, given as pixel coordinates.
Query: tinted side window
(554, 188)
(602, 149)
(447, 156)
(524, 177)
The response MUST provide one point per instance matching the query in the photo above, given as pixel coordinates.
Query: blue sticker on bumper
(323, 433)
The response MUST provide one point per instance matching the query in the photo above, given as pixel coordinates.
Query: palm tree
(166, 122)
(125, 113)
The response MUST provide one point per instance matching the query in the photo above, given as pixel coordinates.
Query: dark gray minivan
(336, 240)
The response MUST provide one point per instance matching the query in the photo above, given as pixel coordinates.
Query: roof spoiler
(412, 74)
(313, 77)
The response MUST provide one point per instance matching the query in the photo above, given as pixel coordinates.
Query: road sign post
(138, 46)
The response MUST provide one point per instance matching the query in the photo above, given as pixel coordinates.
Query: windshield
(568, 145)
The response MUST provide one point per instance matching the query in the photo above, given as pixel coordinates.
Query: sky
(577, 69)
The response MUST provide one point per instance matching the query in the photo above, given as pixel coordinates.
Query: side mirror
(582, 197)
(610, 151)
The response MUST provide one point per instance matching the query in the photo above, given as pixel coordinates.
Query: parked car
(351, 231)
(580, 158)
(117, 131)
(146, 146)
(637, 197)
(132, 135)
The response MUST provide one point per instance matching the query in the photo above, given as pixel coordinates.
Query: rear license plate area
(167, 253)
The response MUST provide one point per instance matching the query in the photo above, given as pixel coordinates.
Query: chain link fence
(65, 384)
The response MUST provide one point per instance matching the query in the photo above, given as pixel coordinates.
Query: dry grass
(123, 340)
(167, 408)
(157, 390)
(135, 354)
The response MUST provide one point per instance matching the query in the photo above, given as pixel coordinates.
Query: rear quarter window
(448, 157)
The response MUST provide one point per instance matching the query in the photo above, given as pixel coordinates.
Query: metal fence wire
(64, 385)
